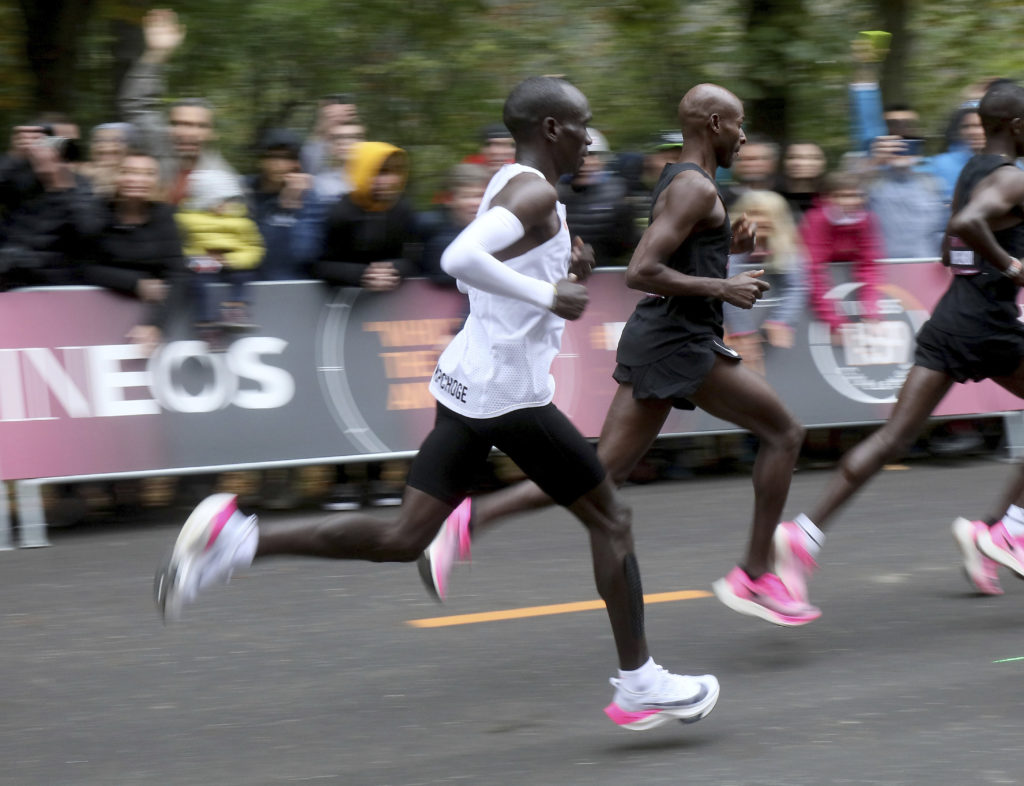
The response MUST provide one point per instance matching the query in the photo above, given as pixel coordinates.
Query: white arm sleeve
(470, 259)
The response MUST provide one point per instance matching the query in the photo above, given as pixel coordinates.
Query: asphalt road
(305, 671)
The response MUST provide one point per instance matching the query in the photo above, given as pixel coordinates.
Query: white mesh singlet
(501, 359)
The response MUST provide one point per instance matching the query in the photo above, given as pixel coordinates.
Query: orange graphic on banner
(419, 343)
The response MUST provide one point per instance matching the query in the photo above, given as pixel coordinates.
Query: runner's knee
(793, 437)
(788, 438)
(618, 521)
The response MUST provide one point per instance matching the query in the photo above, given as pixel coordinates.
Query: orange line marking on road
(544, 611)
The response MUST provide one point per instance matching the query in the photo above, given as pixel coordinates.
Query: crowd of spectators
(151, 209)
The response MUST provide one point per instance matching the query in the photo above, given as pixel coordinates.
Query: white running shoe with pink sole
(203, 554)
(673, 697)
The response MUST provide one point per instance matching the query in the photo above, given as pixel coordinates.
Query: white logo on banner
(93, 382)
(871, 359)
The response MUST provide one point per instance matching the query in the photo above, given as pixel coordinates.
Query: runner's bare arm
(688, 202)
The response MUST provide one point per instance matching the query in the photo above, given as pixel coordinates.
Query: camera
(69, 150)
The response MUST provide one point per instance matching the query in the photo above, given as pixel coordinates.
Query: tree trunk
(53, 29)
(768, 29)
(893, 77)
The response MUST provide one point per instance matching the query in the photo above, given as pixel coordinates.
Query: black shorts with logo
(969, 357)
(677, 376)
(542, 442)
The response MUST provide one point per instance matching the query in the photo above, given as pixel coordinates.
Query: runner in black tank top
(974, 333)
(671, 353)
(660, 325)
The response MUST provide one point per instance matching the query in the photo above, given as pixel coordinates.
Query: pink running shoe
(997, 543)
(765, 597)
(981, 571)
(451, 545)
(793, 561)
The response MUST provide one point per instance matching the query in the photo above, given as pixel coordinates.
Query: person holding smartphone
(907, 201)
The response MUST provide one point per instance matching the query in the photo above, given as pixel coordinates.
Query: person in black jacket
(597, 206)
(369, 230)
(135, 249)
(367, 239)
(42, 201)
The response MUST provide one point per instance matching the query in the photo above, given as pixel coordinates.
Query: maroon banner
(340, 374)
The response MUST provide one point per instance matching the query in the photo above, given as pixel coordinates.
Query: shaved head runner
(671, 354)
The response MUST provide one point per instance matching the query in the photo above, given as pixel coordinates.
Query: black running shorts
(965, 358)
(677, 376)
(542, 442)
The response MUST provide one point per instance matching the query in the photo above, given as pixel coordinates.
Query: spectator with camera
(907, 202)
(43, 202)
(183, 140)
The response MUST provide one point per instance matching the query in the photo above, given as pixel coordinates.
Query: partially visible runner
(671, 355)
(974, 333)
(494, 388)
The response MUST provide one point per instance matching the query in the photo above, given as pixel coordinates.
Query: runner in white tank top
(494, 390)
(501, 359)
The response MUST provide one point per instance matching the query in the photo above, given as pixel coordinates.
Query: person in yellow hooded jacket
(223, 246)
(368, 235)
(369, 231)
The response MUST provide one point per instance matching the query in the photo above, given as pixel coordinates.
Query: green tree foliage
(428, 74)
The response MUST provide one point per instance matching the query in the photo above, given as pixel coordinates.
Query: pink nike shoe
(765, 597)
(451, 545)
(981, 571)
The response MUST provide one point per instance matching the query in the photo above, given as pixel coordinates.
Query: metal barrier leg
(5, 519)
(1014, 425)
(31, 514)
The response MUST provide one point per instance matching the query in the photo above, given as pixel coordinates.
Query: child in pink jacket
(842, 229)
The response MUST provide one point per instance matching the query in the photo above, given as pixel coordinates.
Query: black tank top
(980, 299)
(660, 325)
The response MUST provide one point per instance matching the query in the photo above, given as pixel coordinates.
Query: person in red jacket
(842, 229)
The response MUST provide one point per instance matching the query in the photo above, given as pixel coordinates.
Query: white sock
(640, 680)
(1013, 520)
(816, 536)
